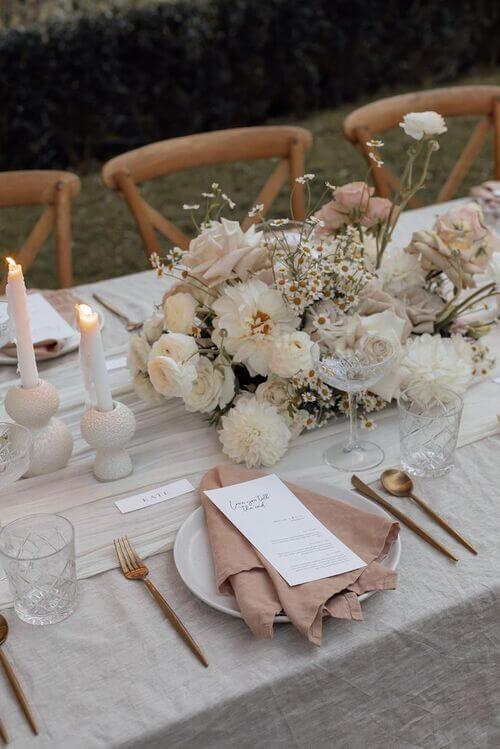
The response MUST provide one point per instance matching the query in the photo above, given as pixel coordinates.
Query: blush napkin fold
(260, 590)
(63, 301)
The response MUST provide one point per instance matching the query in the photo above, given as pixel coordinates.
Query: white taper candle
(18, 312)
(92, 358)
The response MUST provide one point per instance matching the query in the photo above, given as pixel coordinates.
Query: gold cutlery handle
(3, 733)
(21, 698)
(111, 307)
(442, 522)
(365, 489)
(175, 621)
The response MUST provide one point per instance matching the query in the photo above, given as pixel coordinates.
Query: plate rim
(192, 517)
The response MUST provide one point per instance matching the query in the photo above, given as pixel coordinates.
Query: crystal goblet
(354, 371)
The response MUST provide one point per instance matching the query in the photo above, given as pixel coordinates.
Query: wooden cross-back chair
(127, 171)
(56, 190)
(368, 121)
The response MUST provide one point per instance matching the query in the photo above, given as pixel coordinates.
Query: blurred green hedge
(93, 87)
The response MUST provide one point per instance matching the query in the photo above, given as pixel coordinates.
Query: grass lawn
(105, 240)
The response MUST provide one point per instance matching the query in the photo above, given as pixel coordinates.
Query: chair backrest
(128, 170)
(56, 190)
(362, 124)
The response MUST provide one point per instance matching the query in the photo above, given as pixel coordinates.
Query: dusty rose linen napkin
(63, 301)
(262, 593)
(489, 191)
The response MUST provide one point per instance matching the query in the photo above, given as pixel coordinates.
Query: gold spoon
(4, 631)
(129, 324)
(399, 484)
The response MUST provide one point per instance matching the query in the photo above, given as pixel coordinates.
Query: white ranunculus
(153, 329)
(172, 364)
(420, 125)
(178, 313)
(223, 251)
(292, 353)
(138, 354)
(145, 390)
(252, 315)
(432, 363)
(169, 378)
(253, 432)
(400, 272)
(179, 347)
(213, 386)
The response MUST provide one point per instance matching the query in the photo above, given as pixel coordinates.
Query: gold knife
(369, 492)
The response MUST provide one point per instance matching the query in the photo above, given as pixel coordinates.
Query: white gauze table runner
(171, 443)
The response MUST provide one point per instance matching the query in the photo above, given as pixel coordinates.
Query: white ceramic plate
(70, 344)
(193, 556)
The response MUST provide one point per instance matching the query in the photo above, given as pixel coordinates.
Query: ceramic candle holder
(34, 408)
(108, 432)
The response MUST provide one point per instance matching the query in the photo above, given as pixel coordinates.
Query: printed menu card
(283, 530)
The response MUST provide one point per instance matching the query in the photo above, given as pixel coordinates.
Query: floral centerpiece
(251, 314)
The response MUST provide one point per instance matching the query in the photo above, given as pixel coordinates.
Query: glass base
(365, 455)
(44, 612)
(426, 471)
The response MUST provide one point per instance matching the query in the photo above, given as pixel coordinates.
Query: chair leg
(297, 170)
(64, 257)
(147, 232)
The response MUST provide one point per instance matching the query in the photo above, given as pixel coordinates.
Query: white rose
(419, 125)
(145, 390)
(292, 353)
(153, 328)
(390, 327)
(177, 346)
(275, 391)
(169, 378)
(213, 386)
(178, 313)
(172, 364)
(138, 354)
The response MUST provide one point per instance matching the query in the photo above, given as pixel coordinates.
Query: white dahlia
(252, 315)
(432, 363)
(254, 433)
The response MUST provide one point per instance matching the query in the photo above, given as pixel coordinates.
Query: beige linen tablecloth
(421, 671)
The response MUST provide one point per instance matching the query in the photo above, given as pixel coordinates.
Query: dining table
(421, 671)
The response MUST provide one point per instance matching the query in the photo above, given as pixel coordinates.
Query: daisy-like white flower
(374, 143)
(330, 186)
(254, 433)
(279, 221)
(228, 200)
(208, 195)
(252, 315)
(373, 156)
(258, 208)
(305, 178)
(315, 221)
(191, 207)
(367, 423)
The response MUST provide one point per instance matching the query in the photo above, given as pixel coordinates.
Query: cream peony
(254, 433)
(400, 272)
(223, 251)
(292, 353)
(153, 329)
(178, 313)
(252, 316)
(420, 125)
(432, 363)
(172, 364)
(213, 386)
(138, 354)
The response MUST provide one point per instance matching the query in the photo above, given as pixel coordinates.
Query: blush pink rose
(377, 212)
(349, 203)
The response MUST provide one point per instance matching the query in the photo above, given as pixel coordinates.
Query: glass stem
(353, 443)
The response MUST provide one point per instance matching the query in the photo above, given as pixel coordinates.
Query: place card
(46, 324)
(283, 530)
(154, 496)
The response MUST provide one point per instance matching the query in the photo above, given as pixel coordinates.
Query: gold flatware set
(21, 698)
(399, 484)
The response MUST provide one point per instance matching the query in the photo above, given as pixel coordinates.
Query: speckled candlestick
(108, 432)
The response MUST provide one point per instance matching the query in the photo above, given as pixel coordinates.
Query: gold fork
(134, 569)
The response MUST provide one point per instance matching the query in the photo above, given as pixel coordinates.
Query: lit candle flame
(10, 262)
